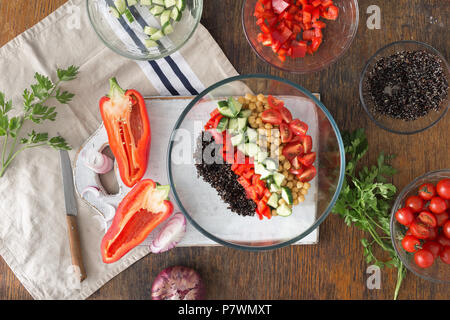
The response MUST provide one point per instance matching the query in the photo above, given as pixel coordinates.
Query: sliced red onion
(97, 161)
(91, 189)
(178, 283)
(96, 191)
(169, 236)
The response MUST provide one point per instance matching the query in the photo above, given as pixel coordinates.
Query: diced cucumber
(252, 135)
(176, 14)
(167, 28)
(242, 124)
(132, 2)
(224, 110)
(146, 2)
(222, 125)
(158, 2)
(150, 30)
(274, 188)
(166, 190)
(181, 5)
(245, 113)
(270, 164)
(157, 35)
(278, 178)
(165, 17)
(114, 12)
(121, 6)
(261, 170)
(241, 148)
(251, 149)
(169, 3)
(129, 15)
(157, 10)
(261, 156)
(284, 211)
(234, 106)
(237, 139)
(233, 125)
(149, 43)
(273, 201)
(269, 180)
(286, 194)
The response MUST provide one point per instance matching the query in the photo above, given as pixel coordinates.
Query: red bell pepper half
(126, 121)
(141, 211)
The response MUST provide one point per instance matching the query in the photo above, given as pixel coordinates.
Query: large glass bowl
(397, 125)
(200, 202)
(127, 38)
(439, 271)
(337, 38)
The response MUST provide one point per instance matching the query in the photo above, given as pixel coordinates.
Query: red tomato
(443, 189)
(446, 229)
(296, 172)
(308, 159)
(410, 243)
(434, 247)
(285, 114)
(416, 203)
(298, 127)
(285, 133)
(433, 234)
(271, 116)
(274, 102)
(437, 205)
(405, 216)
(292, 150)
(306, 141)
(443, 240)
(427, 191)
(419, 230)
(308, 174)
(428, 218)
(441, 218)
(424, 258)
(445, 255)
(331, 13)
(295, 163)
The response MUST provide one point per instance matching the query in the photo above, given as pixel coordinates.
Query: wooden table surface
(335, 268)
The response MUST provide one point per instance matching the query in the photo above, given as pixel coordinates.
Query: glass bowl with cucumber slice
(243, 193)
(144, 29)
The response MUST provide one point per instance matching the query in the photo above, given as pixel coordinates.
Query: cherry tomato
(308, 159)
(416, 203)
(446, 229)
(405, 216)
(419, 230)
(308, 174)
(424, 258)
(433, 247)
(274, 102)
(271, 116)
(285, 133)
(427, 191)
(410, 243)
(428, 218)
(445, 255)
(306, 141)
(441, 218)
(295, 163)
(437, 205)
(285, 114)
(433, 234)
(443, 189)
(443, 240)
(298, 127)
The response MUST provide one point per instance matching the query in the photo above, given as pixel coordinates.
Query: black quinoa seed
(407, 85)
(220, 176)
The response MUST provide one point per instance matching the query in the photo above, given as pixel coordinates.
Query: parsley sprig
(365, 201)
(35, 110)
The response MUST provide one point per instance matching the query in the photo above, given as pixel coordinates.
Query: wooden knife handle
(75, 247)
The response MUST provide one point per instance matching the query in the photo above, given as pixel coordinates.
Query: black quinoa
(407, 85)
(220, 176)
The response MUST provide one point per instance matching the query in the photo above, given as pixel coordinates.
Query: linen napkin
(33, 232)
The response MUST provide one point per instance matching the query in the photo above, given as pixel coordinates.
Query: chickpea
(285, 174)
(251, 119)
(287, 165)
(249, 96)
(268, 126)
(299, 185)
(281, 201)
(306, 185)
(241, 100)
(260, 104)
(301, 198)
(252, 106)
(259, 121)
(304, 191)
(290, 177)
(260, 97)
(282, 158)
(266, 106)
(290, 185)
(295, 189)
(296, 202)
(284, 183)
(260, 108)
(294, 195)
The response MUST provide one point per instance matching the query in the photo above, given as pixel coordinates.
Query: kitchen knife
(71, 212)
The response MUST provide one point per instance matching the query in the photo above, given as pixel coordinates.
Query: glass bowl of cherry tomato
(300, 36)
(420, 226)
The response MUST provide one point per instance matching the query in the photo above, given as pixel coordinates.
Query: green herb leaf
(14, 125)
(67, 74)
(64, 97)
(43, 81)
(59, 143)
(4, 123)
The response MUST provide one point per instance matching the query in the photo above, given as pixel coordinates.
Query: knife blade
(71, 213)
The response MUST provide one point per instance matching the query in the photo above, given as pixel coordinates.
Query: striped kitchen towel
(33, 232)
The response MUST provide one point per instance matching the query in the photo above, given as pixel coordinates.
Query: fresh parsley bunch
(365, 201)
(35, 110)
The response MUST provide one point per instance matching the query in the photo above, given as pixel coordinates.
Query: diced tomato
(308, 159)
(249, 174)
(262, 206)
(281, 36)
(274, 102)
(271, 116)
(292, 150)
(308, 174)
(331, 13)
(299, 51)
(267, 213)
(308, 34)
(316, 42)
(285, 114)
(306, 141)
(256, 179)
(244, 182)
(306, 17)
(252, 193)
(267, 194)
(285, 133)
(280, 5)
(298, 127)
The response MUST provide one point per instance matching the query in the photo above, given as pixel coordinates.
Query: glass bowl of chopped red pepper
(256, 162)
(300, 36)
(404, 87)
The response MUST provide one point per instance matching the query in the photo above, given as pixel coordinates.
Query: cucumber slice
(176, 14)
(286, 194)
(284, 211)
(274, 188)
(157, 10)
(167, 28)
(131, 2)
(242, 124)
(149, 43)
(158, 2)
(278, 178)
(224, 110)
(245, 113)
(252, 135)
(237, 139)
(252, 149)
(234, 105)
(233, 125)
(261, 170)
(114, 12)
(273, 201)
(169, 3)
(146, 2)
(181, 5)
(241, 148)
(261, 156)
(158, 35)
(270, 164)
(121, 6)
(129, 15)
(222, 125)
(150, 30)
(165, 17)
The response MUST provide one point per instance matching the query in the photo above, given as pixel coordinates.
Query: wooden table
(334, 269)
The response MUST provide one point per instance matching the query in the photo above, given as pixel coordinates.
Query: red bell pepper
(141, 211)
(125, 118)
